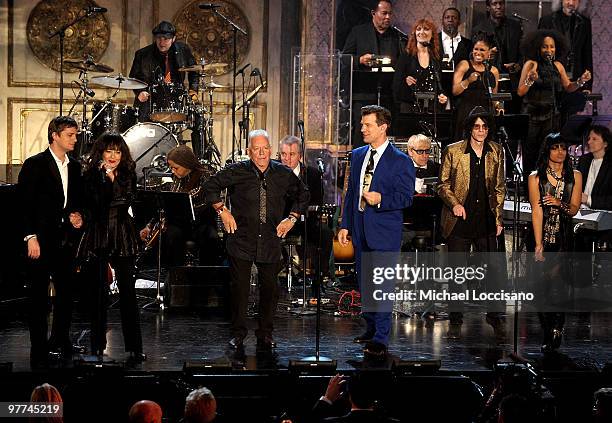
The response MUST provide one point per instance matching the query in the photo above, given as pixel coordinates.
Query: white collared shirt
(419, 186)
(63, 170)
(379, 152)
(296, 170)
(591, 178)
(450, 44)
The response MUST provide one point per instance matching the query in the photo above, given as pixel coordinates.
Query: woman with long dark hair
(110, 238)
(472, 80)
(554, 194)
(418, 68)
(543, 79)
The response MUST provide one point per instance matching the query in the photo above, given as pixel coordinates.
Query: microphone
(96, 9)
(519, 17)
(400, 32)
(255, 72)
(425, 43)
(241, 70)
(320, 165)
(209, 6)
(87, 91)
(548, 58)
(503, 133)
(300, 125)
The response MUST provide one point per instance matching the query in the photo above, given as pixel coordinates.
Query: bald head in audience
(145, 412)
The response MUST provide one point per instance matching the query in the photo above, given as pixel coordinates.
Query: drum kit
(172, 111)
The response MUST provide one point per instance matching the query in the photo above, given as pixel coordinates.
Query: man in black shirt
(157, 64)
(259, 190)
(577, 29)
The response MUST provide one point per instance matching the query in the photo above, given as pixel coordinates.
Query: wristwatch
(292, 218)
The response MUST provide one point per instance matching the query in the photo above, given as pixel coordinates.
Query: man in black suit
(291, 156)
(506, 34)
(577, 29)
(49, 186)
(596, 169)
(364, 42)
(455, 47)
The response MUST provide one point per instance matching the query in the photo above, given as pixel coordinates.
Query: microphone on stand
(95, 9)
(87, 91)
(242, 69)
(257, 72)
(503, 133)
(320, 165)
(519, 17)
(401, 33)
(209, 6)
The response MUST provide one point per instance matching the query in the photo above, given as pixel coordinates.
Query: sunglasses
(426, 151)
(483, 127)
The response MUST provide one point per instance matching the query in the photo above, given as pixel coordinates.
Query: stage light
(415, 367)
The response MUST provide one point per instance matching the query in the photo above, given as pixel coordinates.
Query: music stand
(172, 205)
(370, 82)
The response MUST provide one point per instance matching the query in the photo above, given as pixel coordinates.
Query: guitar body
(344, 253)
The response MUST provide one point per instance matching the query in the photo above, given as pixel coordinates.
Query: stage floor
(172, 338)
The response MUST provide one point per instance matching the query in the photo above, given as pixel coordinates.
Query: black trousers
(458, 244)
(99, 300)
(240, 279)
(55, 262)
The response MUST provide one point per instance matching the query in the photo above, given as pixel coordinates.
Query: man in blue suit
(381, 185)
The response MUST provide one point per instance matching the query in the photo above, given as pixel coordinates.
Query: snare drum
(169, 103)
(116, 117)
(149, 143)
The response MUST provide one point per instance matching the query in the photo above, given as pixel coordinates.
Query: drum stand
(159, 299)
(210, 151)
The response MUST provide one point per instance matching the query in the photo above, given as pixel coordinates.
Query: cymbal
(213, 86)
(209, 69)
(119, 81)
(88, 66)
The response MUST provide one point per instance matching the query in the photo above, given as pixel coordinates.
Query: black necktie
(367, 178)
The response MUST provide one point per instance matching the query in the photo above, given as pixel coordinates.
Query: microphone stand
(235, 30)
(62, 35)
(485, 80)
(516, 177)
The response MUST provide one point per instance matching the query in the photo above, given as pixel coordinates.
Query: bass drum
(149, 144)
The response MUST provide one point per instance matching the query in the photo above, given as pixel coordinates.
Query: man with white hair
(201, 407)
(419, 150)
(260, 191)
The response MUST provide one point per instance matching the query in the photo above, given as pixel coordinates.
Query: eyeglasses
(426, 151)
(479, 127)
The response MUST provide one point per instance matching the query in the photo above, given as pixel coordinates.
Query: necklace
(554, 175)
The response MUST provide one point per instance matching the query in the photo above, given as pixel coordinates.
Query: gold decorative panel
(209, 36)
(90, 36)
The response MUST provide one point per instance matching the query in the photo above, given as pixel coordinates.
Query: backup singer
(418, 68)
(381, 185)
(554, 194)
(50, 193)
(543, 78)
(259, 191)
(188, 175)
(110, 238)
(472, 188)
(472, 80)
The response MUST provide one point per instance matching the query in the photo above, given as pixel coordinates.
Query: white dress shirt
(296, 170)
(450, 44)
(591, 178)
(419, 187)
(63, 170)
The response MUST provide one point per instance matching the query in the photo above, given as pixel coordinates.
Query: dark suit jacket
(362, 40)
(581, 44)
(394, 180)
(508, 48)
(313, 177)
(42, 198)
(407, 65)
(462, 51)
(601, 197)
(360, 416)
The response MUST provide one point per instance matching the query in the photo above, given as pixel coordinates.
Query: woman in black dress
(418, 69)
(110, 238)
(543, 79)
(472, 80)
(554, 194)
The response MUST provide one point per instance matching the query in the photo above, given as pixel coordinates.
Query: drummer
(158, 63)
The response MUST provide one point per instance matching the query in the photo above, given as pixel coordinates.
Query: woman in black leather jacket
(110, 238)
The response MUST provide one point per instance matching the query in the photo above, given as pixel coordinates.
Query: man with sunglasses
(472, 188)
(419, 150)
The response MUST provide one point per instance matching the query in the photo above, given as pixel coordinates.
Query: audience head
(537, 44)
(513, 408)
(200, 406)
(48, 394)
(182, 161)
(145, 412)
(360, 391)
(419, 148)
(290, 152)
(424, 32)
(602, 405)
(111, 146)
(451, 19)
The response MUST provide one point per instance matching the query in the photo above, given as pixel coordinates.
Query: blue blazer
(394, 179)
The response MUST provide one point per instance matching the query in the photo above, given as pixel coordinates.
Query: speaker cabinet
(202, 288)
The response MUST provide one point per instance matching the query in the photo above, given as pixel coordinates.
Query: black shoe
(236, 343)
(265, 344)
(454, 331)
(374, 351)
(137, 357)
(363, 339)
